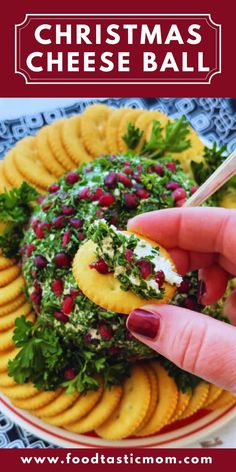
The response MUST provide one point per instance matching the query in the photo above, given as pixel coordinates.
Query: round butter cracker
(131, 409)
(5, 357)
(82, 406)
(166, 404)
(72, 140)
(197, 400)
(225, 399)
(104, 290)
(112, 127)
(93, 127)
(8, 275)
(12, 290)
(60, 404)
(57, 146)
(100, 413)
(37, 401)
(12, 306)
(45, 153)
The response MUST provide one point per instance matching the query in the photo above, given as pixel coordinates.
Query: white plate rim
(180, 437)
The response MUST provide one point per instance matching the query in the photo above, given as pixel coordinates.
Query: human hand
(201, 239)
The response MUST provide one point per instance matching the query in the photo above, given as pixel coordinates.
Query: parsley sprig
(173, 138)
(213, 158)
(45, 355)
(133, 136)
(15, 211)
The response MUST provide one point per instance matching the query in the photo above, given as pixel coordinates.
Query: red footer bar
(118, 459)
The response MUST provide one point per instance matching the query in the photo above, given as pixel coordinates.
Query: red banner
(118, 49)
(116, 460)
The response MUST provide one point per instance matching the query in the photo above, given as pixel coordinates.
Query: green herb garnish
(44, 356)
(15, 210)
(173, 139)
(133, 136)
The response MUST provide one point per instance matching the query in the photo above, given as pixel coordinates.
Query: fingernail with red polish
(201, 290)
(143, 322)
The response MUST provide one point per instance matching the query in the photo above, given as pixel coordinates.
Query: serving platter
(180, 434)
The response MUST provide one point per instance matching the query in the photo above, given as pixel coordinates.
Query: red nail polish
(143, 322)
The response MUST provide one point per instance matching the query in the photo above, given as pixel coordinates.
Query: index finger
(201, 229)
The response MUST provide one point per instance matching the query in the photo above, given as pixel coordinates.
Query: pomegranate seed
(100, 265)
(68, 305)
(57, 287)
(171, 166)
(87, 338)
(69, 374)
(58, 222)
(114, 350)
(160, 278)
(124, 180)
(36, 297)
(106, 200)
(193, 189)
(158, 169)
(40, 262)
(29, 249)
(110, 180)
(184, 286)
(66, 238)
(129, 255)
(181, 202)
(76, 222)
(33, 274)
(96, 195)
(84, 193)
(75, 292)
(37, 286)
(71, 178)
(60, 316)
(100, 213)
(53, 188)
(105, 331)
(128, 170)
(46, 206)
(142, 193)
(35, 224)
(172, 185)
(81, 236)
(137, 177)
(146, 267)
(114, 218)
(39, 232)
(191, 303)
(131, 200)
(179, 194)
(67, 210)
(62, 260)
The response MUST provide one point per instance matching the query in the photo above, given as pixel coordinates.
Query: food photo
(117, 296)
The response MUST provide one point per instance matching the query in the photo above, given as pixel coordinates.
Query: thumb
(195, 342)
